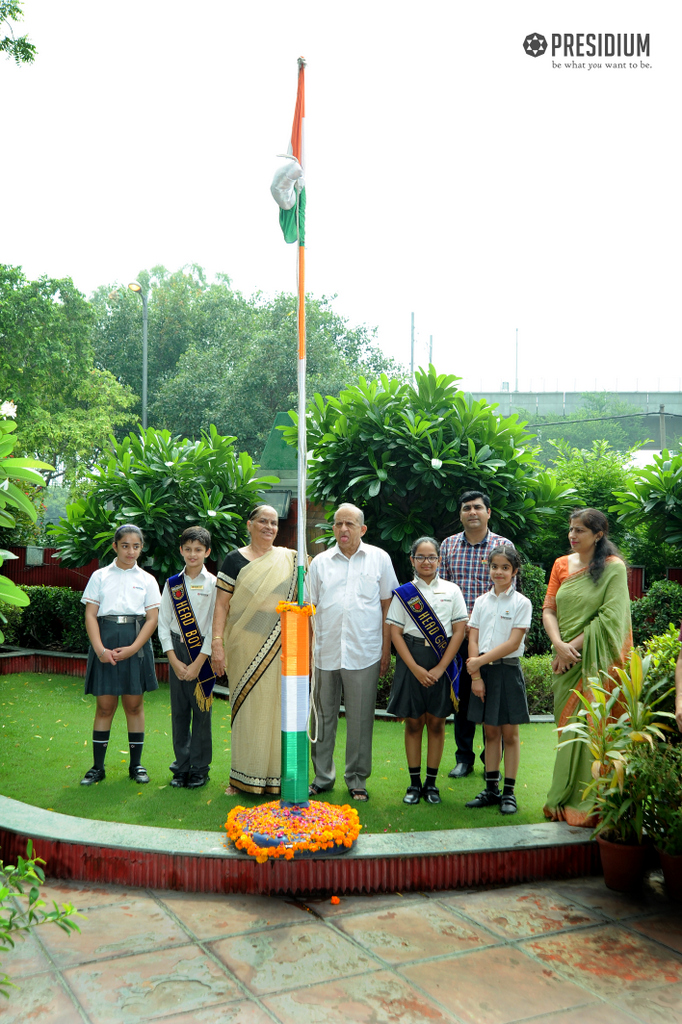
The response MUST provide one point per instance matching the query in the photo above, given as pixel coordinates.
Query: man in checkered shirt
(464, 561)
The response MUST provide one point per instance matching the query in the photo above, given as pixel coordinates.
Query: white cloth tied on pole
(287, 183)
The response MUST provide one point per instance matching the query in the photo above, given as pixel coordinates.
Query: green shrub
(54, 620)
(653, 613)
(10, 616)
(537, 671)
(534, 586)
(660, 680)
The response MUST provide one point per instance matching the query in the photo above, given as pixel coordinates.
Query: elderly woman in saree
(586, 615)
(247, 643)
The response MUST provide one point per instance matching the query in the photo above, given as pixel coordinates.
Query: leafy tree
(218, 357)
(68, 408)
(654, 499)
(404, 453)
(594, 473)
(162, 483)
(16, 47)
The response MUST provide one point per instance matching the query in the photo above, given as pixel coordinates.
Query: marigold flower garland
(271, 830)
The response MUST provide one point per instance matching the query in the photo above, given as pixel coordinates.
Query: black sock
(431, 775)
(508, 787)
(135, 741)
(492, 782)
(100, 741)
(416, 776)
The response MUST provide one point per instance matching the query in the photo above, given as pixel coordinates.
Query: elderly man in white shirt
(351, 586)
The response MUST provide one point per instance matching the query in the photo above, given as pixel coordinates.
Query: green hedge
(653, 613)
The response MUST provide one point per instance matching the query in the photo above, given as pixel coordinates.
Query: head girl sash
(189, 631)
(429, 625)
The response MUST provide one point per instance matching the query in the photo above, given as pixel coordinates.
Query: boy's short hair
(198, 534)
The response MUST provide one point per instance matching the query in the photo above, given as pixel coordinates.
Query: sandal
(360, 794)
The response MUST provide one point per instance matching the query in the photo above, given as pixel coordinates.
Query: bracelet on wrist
(217, 638)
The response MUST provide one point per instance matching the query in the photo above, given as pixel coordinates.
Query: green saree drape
(602, 612)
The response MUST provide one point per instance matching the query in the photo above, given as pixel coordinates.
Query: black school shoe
(179, 781)
(92, 776)
(488, 798)
(197, 779)
(138, 774)
(508, 804)
(413, 795)
(431, 794)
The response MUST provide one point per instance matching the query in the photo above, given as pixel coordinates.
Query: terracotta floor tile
(244, 1012)
(358, 904)
(413, 932)
(133, 989)
(84, 895)
(136, 926)
(39, 1000)
(378, 998)
(657, 1006)
(495, 986)
(26, 958)
(290, 957)
(597, 1013)
(665, 928)
(593, 894)
(209, 916)
(609, 960)
(522, 911)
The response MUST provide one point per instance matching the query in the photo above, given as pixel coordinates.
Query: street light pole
(137, 287)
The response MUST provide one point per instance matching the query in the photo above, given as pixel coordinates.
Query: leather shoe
(508, 804)
(431, 794)
(461, 770)
(488, 798)
(179, 781)
(93, 775)
(138, 774)
(413, 795)
(197, 779)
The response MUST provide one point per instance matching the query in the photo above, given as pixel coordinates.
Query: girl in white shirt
(497, 628)
(421, 688)
(121, 611)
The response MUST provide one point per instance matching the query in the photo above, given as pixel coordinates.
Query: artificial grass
(45, 749)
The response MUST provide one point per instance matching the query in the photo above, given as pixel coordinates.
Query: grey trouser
(359, 697)
(192, 740)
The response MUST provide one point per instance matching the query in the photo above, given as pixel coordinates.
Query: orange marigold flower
(335, 900)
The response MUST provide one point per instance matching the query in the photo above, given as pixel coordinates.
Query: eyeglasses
(425, 558)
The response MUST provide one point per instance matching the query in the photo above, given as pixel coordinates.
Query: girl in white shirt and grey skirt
(497, 628)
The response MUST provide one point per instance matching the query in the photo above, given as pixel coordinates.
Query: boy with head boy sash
(185, 619)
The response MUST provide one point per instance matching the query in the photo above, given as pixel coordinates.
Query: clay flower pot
(623, 865)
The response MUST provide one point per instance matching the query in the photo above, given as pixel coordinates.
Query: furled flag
(288, 184)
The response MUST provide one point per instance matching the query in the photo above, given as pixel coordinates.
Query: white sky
(448, 173)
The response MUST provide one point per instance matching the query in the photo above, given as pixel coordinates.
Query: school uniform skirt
(133, 676)
(409, 699)
(505, 695)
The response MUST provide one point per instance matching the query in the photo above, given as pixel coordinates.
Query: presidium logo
(589, 44)
(535, 44)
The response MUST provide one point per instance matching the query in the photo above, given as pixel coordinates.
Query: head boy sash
(429, 625)
(191, 636)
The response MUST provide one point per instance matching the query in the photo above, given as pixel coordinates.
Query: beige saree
(252, 654)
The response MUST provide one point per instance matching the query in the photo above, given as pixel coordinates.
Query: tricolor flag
(288, 184)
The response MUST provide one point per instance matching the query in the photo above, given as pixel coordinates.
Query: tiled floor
(562, 952)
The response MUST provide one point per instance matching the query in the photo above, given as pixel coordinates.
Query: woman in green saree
(586, 615)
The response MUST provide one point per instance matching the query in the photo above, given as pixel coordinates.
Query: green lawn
(45, 748)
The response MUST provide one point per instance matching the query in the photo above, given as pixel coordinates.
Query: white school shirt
(347, 594)
(446, 600)
(201, 593)
(122, 591)
(495, 617)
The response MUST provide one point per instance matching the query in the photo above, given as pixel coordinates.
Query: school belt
(415, 641)
(506, 661)
(121, 619)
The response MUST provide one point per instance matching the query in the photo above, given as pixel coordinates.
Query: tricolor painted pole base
(295, 701)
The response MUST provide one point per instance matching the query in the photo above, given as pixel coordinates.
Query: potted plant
(614, 725)
(660, 771)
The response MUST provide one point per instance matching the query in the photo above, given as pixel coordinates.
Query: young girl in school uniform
(421, 688)
(497, 628)
(121, 611)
